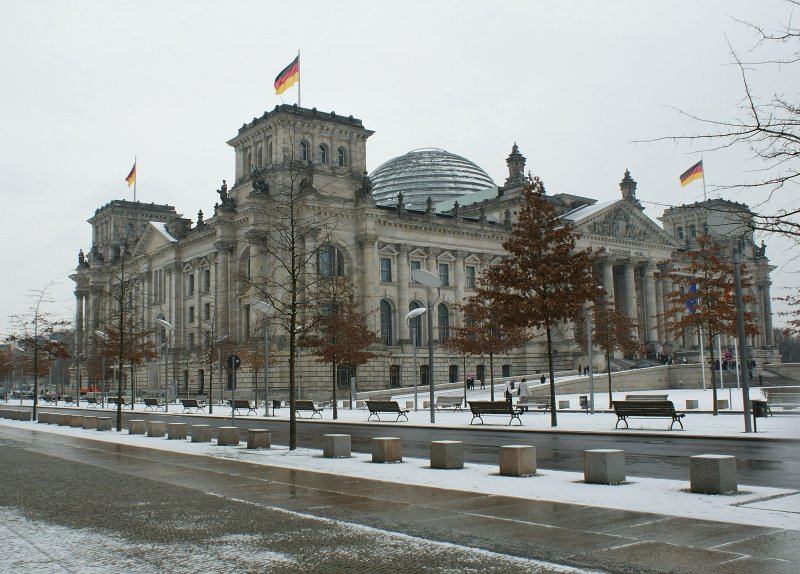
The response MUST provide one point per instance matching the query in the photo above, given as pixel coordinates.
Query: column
(223, 286)
(660, 311)
(650, 311)
(458, 277)
(767, 307)
(79, 322)
(630, 291)
(371, 279)
(667, 289)
(403, 279)
(608, 281)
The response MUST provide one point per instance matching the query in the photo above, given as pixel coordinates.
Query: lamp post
(268, 311)
(413, 314)
(429, 280)
(103, 336)
(737, 278)
(591, 359)
(211, 380)
(168, 329)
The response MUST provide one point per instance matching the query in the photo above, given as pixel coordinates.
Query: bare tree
(767, 127)
(37, 330)
(543, 278)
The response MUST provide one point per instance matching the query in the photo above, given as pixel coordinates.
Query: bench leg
(476, 417)
(515, 417)
(373, 415)
(621, 420)
(676, 421)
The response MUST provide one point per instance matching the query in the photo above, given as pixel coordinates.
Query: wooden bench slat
(308, 406)
(377, 407)
(242, 404)
(646, 408)
(479, 408)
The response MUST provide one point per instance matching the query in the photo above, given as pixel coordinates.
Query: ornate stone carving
(619, 223)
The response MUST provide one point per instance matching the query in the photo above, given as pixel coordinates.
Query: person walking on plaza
(523, 391)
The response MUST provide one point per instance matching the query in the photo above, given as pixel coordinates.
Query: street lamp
(169, 330)
(429, 280)
(268, 311)
(413, 314)
(103, 336)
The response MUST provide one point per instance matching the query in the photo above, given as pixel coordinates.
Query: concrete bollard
(361, 404)
(692, 404)
(387, 449)
(104, 423)
(176, 431)
(713, 474)
(336, 446)
(137, 426)
(604, 466)
(90, 423)
(201, 433)
(517, 460)
(447, 454)
(228, 436)
(76, 421)
(25, 415)
(156, 429)
(259, 438)
(44, 418)
(563, 405)
(409, 404)
(64, 420)
(722, 404)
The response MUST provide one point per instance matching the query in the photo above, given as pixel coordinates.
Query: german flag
(288, 76)
(131, 179)
(691, 174)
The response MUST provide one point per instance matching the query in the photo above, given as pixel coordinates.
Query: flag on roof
(131, 179)
(288, 76)
(691, 174)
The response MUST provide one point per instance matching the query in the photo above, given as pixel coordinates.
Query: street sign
(728, 355)
(233, 362)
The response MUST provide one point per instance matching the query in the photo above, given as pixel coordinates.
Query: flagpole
(135, 177)
(702, 165)
(300, 105)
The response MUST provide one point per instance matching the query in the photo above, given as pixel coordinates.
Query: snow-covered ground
(773, 507)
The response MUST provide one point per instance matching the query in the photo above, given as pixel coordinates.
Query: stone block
(43, 418)
(517, 460)
(722, 404)
(65, 420)
(177, 431)
(201, 433)
(228, 436)
(137, 426)
(447, 454)
(90, 423)
(692, 404)
(104, 423)
(336, 446)
(259, 438)
(361, 404)
(426, 404)
(76, 421)
(387, 449)
(713, 474)
(563, 405)
(26, 415)
(156, 429)
(345, 404)
(409, 404)
(604, 466)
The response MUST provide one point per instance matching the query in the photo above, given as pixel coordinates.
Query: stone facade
(201, 279)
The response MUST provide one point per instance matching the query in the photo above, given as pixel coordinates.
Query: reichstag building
(428, 209)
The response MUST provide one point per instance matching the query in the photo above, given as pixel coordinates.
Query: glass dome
(424, 173)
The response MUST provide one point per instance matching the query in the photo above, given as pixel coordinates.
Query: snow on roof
(162, 228)
(583, 212)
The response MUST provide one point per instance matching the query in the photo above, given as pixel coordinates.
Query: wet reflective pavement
(147, 510)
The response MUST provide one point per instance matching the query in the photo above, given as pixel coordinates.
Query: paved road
(69, 504)
(760, 462)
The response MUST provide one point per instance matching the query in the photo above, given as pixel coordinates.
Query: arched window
(323, 153)
(444, 322)
(303, 151)
(415, 325)
(330, 261)
(259, 156)
(386, 322)
(269, 154)
(340, 157)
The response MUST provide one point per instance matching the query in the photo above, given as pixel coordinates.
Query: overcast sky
(88, 85)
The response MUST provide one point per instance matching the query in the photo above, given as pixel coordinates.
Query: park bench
(113, 401)
(308, 406)
(242, 405)
(787, 398)
(193, 405)
(538, 402)
(49, 400)
(448, 402)
(68, 401)
(480, 408)
(152, 404)
(649, 408)
(91, 402)
(377, 407)
(646, 397)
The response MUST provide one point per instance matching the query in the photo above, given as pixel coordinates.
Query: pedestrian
(585, 371)
(483, 384)
(760, 380)
(579, 369)
(523, 391)
(542, 380)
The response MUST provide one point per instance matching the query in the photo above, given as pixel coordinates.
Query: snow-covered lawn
(773, 507)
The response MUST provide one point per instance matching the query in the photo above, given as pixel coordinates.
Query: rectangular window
(444, 274)
(470, 277)
(191, 314)
(207, 312)
(191, 340)
(206, 280)
(386, 270)
(394, 376)
(692, 231)
(415, 265)
(189, 284)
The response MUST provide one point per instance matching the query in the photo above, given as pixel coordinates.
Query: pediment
(154, 238)
(620, 220)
